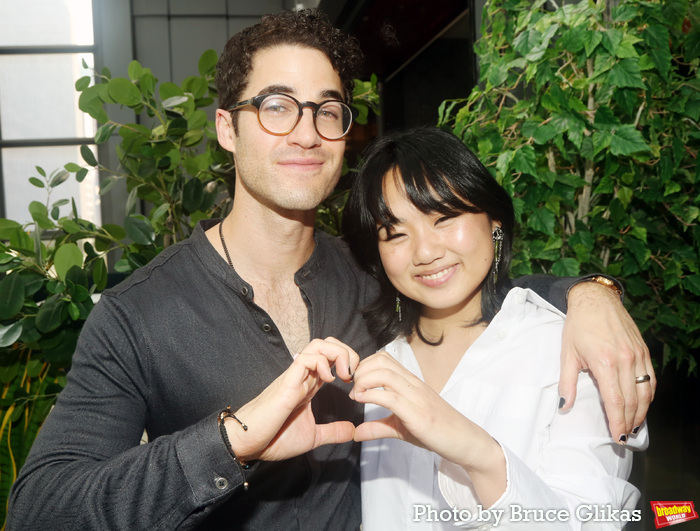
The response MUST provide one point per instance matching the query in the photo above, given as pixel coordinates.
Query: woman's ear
(224, 130)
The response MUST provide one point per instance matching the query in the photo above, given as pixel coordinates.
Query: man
(225, 318)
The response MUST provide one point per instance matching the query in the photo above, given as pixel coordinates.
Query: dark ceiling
(392, 32)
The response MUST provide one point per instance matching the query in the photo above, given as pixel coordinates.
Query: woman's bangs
(432, 192)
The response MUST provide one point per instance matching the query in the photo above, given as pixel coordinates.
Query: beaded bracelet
(227, 413)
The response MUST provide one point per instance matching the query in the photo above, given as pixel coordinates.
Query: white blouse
(564, 470)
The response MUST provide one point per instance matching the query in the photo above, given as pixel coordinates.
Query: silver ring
(642, 379)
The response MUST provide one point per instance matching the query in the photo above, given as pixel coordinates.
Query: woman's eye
(386, 235)
(442, 219)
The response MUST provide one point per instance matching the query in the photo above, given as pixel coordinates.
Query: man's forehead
(290, 69)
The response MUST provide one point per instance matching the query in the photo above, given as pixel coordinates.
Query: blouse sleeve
(579, 481)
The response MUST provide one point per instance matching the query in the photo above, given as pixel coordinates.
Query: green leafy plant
(51, 270)
(170, 160)
(588, 115)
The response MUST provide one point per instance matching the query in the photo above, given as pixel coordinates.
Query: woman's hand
(423, 418)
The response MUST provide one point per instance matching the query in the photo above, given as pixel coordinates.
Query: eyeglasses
(279, 114)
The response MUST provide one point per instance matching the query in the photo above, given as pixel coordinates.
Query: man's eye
(276, 107)
(328, 114)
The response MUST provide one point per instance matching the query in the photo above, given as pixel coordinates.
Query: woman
(461, 422)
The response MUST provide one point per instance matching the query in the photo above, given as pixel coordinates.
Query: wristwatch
(608, 283)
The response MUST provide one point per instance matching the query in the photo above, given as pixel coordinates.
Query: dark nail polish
(562, 401)
(622, 439)
(635, 430)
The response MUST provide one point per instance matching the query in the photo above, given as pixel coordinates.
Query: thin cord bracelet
(226, 413)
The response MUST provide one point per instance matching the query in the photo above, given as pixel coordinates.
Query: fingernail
(635, 430)
(562, 401)
(622, 439)
(296, 355)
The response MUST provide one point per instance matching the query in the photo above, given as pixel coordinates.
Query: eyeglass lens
(279, 114)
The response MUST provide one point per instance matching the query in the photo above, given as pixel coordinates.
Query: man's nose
(305, 134)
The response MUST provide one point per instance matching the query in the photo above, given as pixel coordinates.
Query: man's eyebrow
(271, 89)
(328, 94)
(332, 94)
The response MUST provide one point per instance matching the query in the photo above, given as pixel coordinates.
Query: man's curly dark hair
(308, 27)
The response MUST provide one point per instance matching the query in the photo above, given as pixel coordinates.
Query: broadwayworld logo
(671, 513)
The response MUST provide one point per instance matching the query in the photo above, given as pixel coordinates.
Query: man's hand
(280, 420)
(600, 336)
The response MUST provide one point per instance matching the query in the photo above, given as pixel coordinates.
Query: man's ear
(224, 130)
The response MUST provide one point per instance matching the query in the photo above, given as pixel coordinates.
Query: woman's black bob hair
(440, 174)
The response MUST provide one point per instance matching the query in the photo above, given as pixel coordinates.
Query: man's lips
(302, 163)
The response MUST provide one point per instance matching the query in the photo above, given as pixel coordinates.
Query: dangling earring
(398, 307)
(497, 236)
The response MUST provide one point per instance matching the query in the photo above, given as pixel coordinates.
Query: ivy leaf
(542, 220)
(497, 74)
(626, 140)
(611, 40)
(626, 48)
(544, 133)
(566, 267)
(591, 40)
(624, 194)
(657, 38)
(573, 39)
(692, 284)
(524, 160)
(639, 250)
(623, 13)
(605, 119)
(606, 186)
(626, 73)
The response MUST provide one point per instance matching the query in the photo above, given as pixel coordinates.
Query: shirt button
(502, 334)
(244, 291)
(221, 483)
(266, 327)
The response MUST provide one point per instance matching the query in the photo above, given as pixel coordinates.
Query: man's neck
(265, 245)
